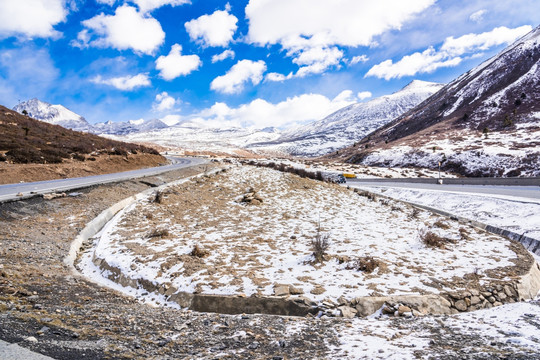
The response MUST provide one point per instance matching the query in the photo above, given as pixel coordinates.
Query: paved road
(12, 191)
(15, 352)
(528, 192)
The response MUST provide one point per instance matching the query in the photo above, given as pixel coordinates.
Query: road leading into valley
(526, 191)
(13, 192)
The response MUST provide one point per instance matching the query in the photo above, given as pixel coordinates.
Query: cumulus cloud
(450, 53)
(324, 23)
(127, 83)
(216, 29)
(308, 27)
(261, 113)
(31, 18)
(227, 54)
(149, 5)
(364, 95)
(358, 59)
(478, 16)
(164, 102)
(242, 72)
(106, 2)
(126, 29)
(273, 76)
(175, 64)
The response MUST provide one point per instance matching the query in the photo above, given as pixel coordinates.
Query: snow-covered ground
(518, 215)
(254, 248)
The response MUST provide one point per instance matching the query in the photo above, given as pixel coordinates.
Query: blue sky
(249, 62)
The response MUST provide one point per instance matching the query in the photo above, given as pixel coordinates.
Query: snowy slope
(53, 114)
(484, 123)
(128, 127)
(350, 124)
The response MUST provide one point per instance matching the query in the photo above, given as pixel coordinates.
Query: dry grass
(366, 264)
(441, 225)
(198, 252)
(432, 240)
(320, 245)
(158, 233)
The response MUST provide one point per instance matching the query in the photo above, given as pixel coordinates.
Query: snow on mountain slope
(350, 124)
(53, 114)
(484, 123)
(195, 136)
(128, 127)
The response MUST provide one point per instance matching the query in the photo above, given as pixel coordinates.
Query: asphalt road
(13, 192)
(527, 192)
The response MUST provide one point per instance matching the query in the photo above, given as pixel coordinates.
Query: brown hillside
(25, 140)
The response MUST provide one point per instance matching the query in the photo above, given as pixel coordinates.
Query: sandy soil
(104, 164)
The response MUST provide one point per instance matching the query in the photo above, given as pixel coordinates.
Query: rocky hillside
(26, 140)
(350, 124)
(484, 123)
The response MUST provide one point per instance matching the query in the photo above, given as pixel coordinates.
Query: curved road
(527, 192)
(13, 192)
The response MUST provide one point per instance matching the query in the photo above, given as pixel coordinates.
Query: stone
(491, 299)
(467, 301)
(461, 305)
(475, 300)
(501, 295)
(509, 291)
(486, 294)
(347, 312)
(474, 292)
(342, 301)
(281, 290)
(388, 310)
(402, 309)
(497, 303)
(31, 339)
(295, 291)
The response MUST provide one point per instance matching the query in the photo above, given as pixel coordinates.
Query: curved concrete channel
(518, 288)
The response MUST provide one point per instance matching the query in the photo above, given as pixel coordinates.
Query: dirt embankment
(104, 164)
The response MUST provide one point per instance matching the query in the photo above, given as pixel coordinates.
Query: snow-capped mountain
(53, 114)
(128, 127)
(197, 136)
(350, 124)
(484, 123)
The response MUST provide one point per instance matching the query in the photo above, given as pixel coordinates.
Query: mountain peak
(420, 84)
(53, 114)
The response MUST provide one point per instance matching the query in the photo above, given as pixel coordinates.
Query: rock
(318, 290)
(417, 313)
(20, 194)
(509, 291)
(501, 295)
(347, 312)
(342, 301)
(31, 339)
(295, 291)
(281, 290)
(402, 309)
(497, 303)
(486, 294)
(474, 292)
(491, 299)
(254, 345)
(475, 300)
(460, 305)
(388, 309)
(467, 301)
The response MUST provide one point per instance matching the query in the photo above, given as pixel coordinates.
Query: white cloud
(149, 5)
(243, 71)
(261, 113)
(175, 64)
(478, 16)
(222, 56)
(358, 59)
(216, 29)
(364, 95)
(316, 60)
(106, 2)
(164, 102)
(278, 77)
(31, 18)
(301, 23)
(127, 83)
(449, 54)
(126, 29)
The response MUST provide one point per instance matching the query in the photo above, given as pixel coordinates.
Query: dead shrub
(367, 195)
(159, 233)
(441, 225)
(158, 199)
(198, 252)
(366, 264)
(432, 240)
(464, 234)
(415, 213)
(320, 245)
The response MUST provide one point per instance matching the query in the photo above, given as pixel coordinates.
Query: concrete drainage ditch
(515, 289)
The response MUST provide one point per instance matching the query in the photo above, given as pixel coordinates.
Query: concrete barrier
(531, 181)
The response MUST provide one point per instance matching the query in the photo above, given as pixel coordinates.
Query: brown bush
(320, 245)
(441, 225)
(432, 240)
(198, 252)
(366, 264)
(161, 233)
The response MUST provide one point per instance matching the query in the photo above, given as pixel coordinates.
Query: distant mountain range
(340, 129)
(350, 124)
(484, 123)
